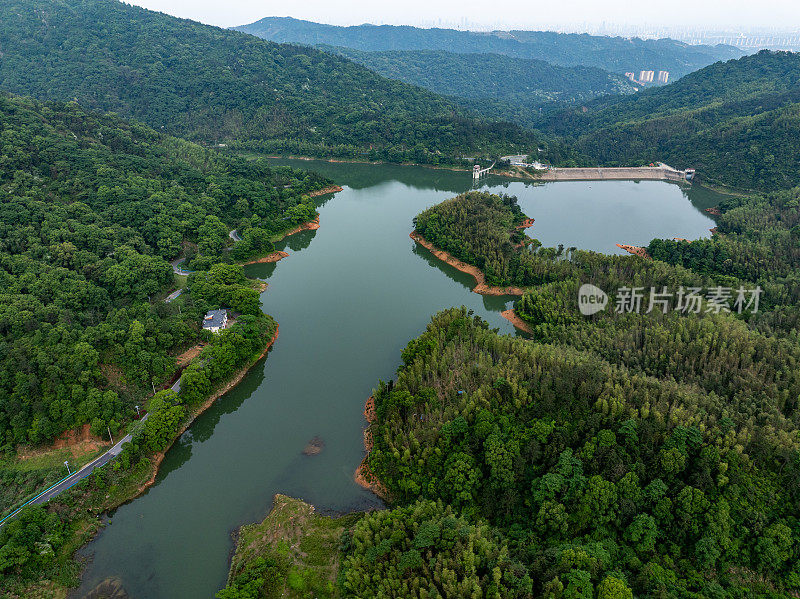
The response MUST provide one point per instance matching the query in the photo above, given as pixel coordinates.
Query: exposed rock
(110, 588)
(314, 447)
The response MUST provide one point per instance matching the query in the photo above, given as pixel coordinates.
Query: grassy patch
(292, 553)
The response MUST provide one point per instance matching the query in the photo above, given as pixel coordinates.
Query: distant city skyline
(677, 18)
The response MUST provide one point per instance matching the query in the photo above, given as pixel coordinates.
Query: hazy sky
(509, 13)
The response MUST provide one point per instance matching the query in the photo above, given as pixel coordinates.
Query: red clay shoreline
(311, 225)
(273, 257)
(363, 475)
(480, 279)
(325, 190)
(237, 378)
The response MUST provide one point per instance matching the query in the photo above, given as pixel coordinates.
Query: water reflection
(347, 304)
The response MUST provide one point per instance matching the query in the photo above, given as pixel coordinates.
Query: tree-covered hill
(523, 85)
(592, 473)
(736, 122)
(214, 85)
(92, 208)
(614, 54)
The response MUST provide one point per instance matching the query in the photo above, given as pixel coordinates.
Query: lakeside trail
(514, 319)
(363, 475)
(157, 458)
(480, 279)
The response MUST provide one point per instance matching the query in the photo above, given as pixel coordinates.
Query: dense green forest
(483, 229)
(213, 85)
(93, 207)
(593, 473)
(37, 546)
(515, 89)
(615, 54)
(737, 122)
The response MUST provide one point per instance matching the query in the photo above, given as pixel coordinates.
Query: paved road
(176, 267)
(85, 471)
(79, 475)
(173, 296)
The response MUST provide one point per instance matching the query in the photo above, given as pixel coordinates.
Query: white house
(215, 320)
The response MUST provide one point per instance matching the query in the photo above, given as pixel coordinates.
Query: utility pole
(137, 411)
(66, 463)
(154, 386)
(109, 435)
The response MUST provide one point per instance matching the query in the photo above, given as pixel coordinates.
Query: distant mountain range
(615, 54)
(493, 84)
(214, 85)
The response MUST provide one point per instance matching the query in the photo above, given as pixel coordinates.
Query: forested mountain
(737, 122)
(601, 481)
(627, 454)
(614, 54)
(516, 88)
(92, 207)
(214, 85)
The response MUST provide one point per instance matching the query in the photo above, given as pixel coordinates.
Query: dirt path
(190, 354)
(480, 280)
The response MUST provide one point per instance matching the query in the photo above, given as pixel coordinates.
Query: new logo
(591, 299)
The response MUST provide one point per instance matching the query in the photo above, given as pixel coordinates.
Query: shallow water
(348, 299)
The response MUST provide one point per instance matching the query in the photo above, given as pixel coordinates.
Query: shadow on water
(261, 270)
(451, 272)
(347, 307)
(203, 428)
(492, 303)
(362, 176)
(298, 242)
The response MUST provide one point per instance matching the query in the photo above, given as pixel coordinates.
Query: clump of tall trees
(599, 477)
(92, 209)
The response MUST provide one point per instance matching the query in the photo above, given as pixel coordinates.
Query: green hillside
(93, 207)
(514, 88)
(214, 85)
(736, 122)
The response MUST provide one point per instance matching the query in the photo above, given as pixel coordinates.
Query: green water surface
(348, 299)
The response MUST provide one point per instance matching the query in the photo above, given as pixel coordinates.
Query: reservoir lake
(348, 299)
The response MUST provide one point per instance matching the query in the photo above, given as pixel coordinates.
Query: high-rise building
(631, 76)
(663, 77)
(646, 76)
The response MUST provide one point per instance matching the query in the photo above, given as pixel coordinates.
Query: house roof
(215, 318)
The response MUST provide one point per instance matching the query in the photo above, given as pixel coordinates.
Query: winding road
(112, 453)
(83, 472)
